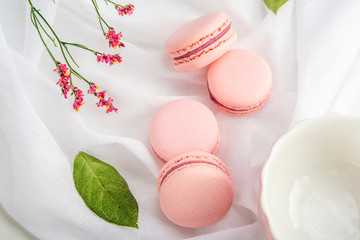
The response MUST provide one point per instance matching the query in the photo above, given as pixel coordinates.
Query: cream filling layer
(229, 34)
(201, 41)
(184, 162)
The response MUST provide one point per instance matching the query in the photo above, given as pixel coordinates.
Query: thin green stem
(99, 16)
(111, 2)
(63, 45)
(95, 4)
(102, 28)
(96, 7)
(35, 20)
(70, 79)
(31, 5)
(65, 58)
(81, 46)
(67, 50)
(115, 4)
(55, 35)
(79, 75)
(52, 39)
(47, 24)
(71, 82)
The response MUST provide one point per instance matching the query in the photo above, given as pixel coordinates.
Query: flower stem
(62, 45)
(99, 16)
(79, 75)
(35, 22)
(80, 46)
(65, 70)
(67, 50)
(52, 31)
(111, 2)
(52, 39)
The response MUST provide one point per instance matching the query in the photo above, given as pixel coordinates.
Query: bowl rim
(263, 208)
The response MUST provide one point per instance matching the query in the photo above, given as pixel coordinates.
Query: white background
(312, 47)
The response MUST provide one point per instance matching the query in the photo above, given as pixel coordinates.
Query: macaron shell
(195, 34)
(182, 126)
(193, 31)
(249, 110)
(240, 80)
(209, 54)
(196, 195)
(182, 160)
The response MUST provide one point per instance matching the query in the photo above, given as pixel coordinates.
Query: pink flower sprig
(102, 101)
(65, 70)
(108, 58)
(114, 38)
(122, 10)
(93, 88)
(64, 81)
(107, 103)
(125, 10)
(78, 98)
(111, 35)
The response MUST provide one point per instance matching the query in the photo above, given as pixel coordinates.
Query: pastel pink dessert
(239, 82)
(200, 42)
(195, 189)
(182, 126)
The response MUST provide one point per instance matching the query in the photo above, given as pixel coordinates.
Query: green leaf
(274, 5)
(105, 191)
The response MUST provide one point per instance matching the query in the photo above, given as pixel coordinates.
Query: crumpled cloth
(312, 48)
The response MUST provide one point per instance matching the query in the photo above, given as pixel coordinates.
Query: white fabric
(311, 46)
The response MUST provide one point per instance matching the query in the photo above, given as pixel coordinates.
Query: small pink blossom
(114, 38)
(78, 101)
(65, 87)
(61, 69)
(64, 81)
(111, 108)
(101, 102)
(107, 103)
(101, 95)
(108, 58)
(125, 10)
(92, 89)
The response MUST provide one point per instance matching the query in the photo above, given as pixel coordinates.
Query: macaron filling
(215, 148)
(233, 109)
(180, 165)
(205, 45)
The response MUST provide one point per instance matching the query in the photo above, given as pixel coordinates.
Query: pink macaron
(239, 82)
(195, 189)
(200, 42)
(182, 126)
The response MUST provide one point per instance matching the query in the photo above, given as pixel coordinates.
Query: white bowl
(311, 181)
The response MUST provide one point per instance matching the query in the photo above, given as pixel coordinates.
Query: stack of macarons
(194, 185)
(239, 81)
